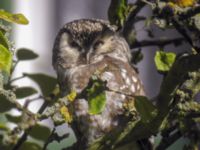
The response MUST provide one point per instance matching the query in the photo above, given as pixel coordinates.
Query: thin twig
(25, 134)
(15, 79)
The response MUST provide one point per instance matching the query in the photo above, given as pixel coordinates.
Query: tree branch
(160, 42)
(165, 143)
(127, 28)
(190, 13)
(23, 138)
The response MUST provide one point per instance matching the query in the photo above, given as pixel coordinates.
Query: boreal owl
(82, 48)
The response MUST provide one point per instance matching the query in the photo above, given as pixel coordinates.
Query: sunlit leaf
(184, 3)
(30, 146)
(5, 59)
(71, 96)
(66, 114)
(164, 60)
(40, 132)
(96, 96)
(4, 40)
(145, 108)
(14, 119)
(23, 92)
(26, 54)
(45, 82)
(15, 18)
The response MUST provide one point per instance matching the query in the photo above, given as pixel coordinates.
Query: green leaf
(30, 146)
(96, 96)
(5, 105)
(118, 11)
(15, 18)
(137, 56)
(4, 40)
(26, 54)
(14, 119)
(45, 82)
(3, 127)
(5, 59)
(40, 132)
(164, 60)
(145, 108)
(23, 92)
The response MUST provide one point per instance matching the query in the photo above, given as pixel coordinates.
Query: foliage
(16, 18)
(164, 60)
(96, 96)
(173, 114)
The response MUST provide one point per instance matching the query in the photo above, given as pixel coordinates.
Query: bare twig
(25, 134)
(15, 79)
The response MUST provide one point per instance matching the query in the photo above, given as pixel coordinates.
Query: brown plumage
(82, 48)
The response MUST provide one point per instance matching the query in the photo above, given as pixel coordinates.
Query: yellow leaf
(71, 96)
(184, 3)
(16, 18)
(66, 114)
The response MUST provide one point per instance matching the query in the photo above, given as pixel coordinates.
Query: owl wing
(122, 82)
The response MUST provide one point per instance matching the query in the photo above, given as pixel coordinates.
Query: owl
(86, 47)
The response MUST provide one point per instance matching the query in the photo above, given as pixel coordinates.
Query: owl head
(87, 41)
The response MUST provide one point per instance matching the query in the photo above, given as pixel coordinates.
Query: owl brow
(98, 43)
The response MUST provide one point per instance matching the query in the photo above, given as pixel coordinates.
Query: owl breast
(121, 80)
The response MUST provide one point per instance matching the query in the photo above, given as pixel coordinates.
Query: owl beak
(88, 57)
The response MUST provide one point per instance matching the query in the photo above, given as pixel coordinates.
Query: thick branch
(169, 141)
(160, 42)
(182, 31)
(190, 13)
(127, 28)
